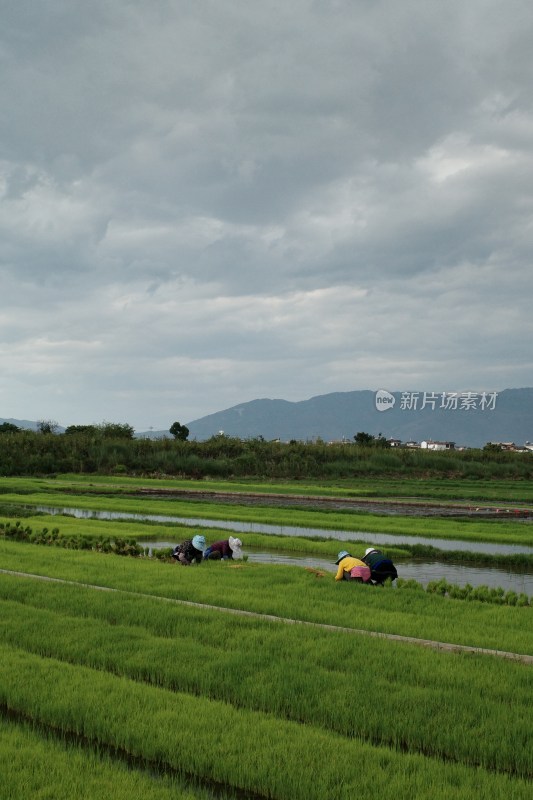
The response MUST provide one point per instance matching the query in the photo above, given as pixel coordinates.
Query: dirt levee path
(402, 507)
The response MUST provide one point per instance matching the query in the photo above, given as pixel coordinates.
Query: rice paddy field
(138, 678)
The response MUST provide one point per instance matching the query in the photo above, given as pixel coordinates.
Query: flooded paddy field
(422, 570)
(290, 530)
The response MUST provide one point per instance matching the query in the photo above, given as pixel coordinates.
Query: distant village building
(511, 447)
(431, 445)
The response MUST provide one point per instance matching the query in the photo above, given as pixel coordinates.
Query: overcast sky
(205, 202)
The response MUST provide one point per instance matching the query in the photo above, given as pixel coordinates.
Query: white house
(431, 445)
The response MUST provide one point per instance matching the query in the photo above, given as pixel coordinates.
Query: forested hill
(469, 419)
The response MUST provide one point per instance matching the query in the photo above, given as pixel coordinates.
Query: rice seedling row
(244, 705)
(278, 758)
(36, 765)
(93, 535)
(284, 671)
(148, 632)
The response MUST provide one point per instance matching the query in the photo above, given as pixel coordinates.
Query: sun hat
(198, 542)
(341, 555)
(370, 550)
(235, 547)
(234, 542)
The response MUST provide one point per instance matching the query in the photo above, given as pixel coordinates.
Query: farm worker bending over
(190, 550)
(351, 569)
(228, 548)
(381, 568)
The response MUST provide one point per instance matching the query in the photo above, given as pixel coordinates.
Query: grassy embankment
(249, 703)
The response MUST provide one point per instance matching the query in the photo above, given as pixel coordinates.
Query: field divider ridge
(429, 643)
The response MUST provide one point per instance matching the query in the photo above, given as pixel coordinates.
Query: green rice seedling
(431, 700)
(100, 534)
(511, 598)
(277, 758)
(409, 584)
(39, 766)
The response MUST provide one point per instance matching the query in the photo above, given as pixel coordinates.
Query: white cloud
(456, 156)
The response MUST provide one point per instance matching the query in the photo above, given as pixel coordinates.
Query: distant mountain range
(27, 424)
(467, 418)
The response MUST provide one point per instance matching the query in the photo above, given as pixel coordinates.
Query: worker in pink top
(351, 569)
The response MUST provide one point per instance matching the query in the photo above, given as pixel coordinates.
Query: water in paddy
(421, 571)
(287, 530)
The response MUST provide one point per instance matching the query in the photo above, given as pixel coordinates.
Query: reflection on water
(287, 530)
(421, 571)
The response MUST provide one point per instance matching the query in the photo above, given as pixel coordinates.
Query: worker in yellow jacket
(351, 569)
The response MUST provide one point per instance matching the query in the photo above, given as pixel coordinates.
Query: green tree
(8, 427)
(179, 431)
(368, 440)
(47, 426)
(86, 430)
(364, 439)
(115, 430)
(492, 447)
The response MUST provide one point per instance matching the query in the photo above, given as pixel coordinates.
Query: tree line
(112, 448)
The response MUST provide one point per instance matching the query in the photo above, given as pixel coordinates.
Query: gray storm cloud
(204, 203)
